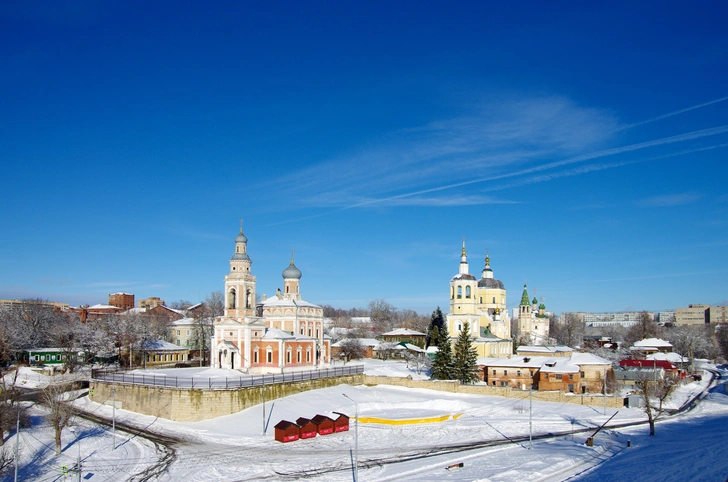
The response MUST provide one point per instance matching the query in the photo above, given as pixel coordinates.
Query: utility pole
(530, 417)
(263, 404)
(356, 438)
(17, 445)
(113, 417)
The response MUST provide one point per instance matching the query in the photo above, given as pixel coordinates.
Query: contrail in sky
(664, 116)
(595, 155)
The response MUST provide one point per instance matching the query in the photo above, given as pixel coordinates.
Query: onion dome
(291, 272)
(491, 283)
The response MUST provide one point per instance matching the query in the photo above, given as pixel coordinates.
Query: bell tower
(239, 283)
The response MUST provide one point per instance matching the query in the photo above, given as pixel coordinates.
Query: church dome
(240, 257)
(240, 238)
(291, 272)
(491, 283)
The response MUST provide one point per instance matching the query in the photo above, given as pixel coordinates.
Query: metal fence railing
(211, 382)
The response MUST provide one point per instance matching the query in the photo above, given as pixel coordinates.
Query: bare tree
(721, 333)
(9, 407)
(419, 361)
(655, 389)
(352, 349)
(646, 327)
(214, 304)
(60, 411)
(383, 314)
(180, 305)
(570, 331)
(386, 350)
(691, 341)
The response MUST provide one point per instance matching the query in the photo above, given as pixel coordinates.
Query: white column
(280, 353)
(247, 349)
(240, 348)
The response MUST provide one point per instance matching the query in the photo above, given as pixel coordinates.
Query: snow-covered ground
(686, 447)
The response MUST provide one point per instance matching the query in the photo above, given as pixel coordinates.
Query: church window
(231, 299)
(237, 249)
(288, 356)
(535, 327)
(308, 355)
(298, 355)
(255, 356)
(460, 292)
(287, 289)
(494, 300)
(317, 333)
(269, 355)
(460, 327)
(233, 268)
(481, 300)
(452, 293)
(467, 291)
(309, 332)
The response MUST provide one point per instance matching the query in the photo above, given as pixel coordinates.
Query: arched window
(460, 327)
(231, 299)
(308, 355)
(460, 292)
(467, 291)
(255, 355)
(288, 355)
(298, 355)
(269, 355)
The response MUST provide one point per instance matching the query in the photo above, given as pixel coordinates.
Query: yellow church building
(482, 304)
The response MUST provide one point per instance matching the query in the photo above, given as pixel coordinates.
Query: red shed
(341, 423)
(286, 431)
(324, 424)
(307, 428)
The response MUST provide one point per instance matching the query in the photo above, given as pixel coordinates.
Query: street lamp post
(356, 438)
(78, 461)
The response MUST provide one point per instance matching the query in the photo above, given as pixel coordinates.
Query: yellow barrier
(408, 421)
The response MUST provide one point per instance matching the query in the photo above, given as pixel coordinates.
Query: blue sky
(583, 146)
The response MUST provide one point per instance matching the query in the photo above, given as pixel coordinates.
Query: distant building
(623, 318)
(696, 314)
(717, 315)
(151, 302)
(533, 320)
(405, 335)
(125, 301)
(51, 304)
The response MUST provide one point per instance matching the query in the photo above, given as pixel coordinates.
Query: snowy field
(234, 447)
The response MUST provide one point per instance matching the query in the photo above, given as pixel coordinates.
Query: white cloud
(668, 200)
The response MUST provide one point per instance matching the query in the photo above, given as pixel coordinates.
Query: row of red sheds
(310, 427)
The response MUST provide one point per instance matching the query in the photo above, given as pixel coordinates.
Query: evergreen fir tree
(442, 366)
(433, 336)
(465, 359)
(436, 321)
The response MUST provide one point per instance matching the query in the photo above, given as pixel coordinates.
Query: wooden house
(341, 423)
(286, 431)
(307, 429)
(324, 424)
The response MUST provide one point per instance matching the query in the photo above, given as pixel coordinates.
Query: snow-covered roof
(275, 301)
(103, 307)
(364, 341)
(162, 345)
(672, 357)
(414, 348)
(135, 311)
(432, 349)
(515, 362)
(276, 334)
(651, 342)
(588, 359)
(403, 332)
(190, 321)
(560, 365)
(544, 349)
